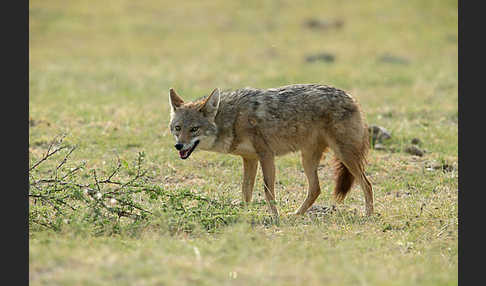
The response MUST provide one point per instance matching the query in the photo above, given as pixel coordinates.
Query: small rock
(34, 122)
(448, 168)
(323, 24)
(444, 167)
(378, 134)
(393, 59)
(320, 210)
(325, 57)
(416, 141)
(414, 150)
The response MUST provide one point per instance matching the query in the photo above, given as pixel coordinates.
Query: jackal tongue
(183, 153)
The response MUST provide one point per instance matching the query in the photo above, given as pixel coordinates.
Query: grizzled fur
(259, 124)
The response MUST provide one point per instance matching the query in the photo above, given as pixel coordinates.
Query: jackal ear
(175, 100)
(210, 106)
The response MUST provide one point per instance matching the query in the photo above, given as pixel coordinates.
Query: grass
(100, 72)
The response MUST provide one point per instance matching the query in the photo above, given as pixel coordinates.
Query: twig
(49, 153)
(96, 181)
(71, 172)
(65, 159)
(47, 181)
(108, 180)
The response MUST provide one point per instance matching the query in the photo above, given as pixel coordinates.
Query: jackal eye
(194, 129)
(177, 128)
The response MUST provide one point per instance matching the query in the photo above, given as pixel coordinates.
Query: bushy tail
(355, 157)
(343, 181)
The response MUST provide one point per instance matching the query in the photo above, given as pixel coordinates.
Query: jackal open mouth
(184, 154)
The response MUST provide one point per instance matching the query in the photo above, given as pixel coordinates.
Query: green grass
(100, 72)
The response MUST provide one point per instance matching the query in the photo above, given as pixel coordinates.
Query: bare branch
(49, 153)
(96, 181)
(65, 158)
(72, 171)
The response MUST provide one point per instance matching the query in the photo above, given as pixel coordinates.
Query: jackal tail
(349, 168)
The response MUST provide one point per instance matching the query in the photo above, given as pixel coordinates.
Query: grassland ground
(100, 73)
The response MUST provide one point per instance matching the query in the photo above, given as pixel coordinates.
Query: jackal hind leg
(267, 162)
(310, 161)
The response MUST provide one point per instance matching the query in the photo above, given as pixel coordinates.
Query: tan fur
(259, 125)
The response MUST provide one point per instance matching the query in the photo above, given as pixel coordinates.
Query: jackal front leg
(250, 166)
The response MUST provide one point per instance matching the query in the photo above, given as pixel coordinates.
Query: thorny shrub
(71, 194)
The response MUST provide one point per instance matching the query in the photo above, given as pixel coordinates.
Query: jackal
(259, 124)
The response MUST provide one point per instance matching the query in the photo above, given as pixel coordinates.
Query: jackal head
(192, 123)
